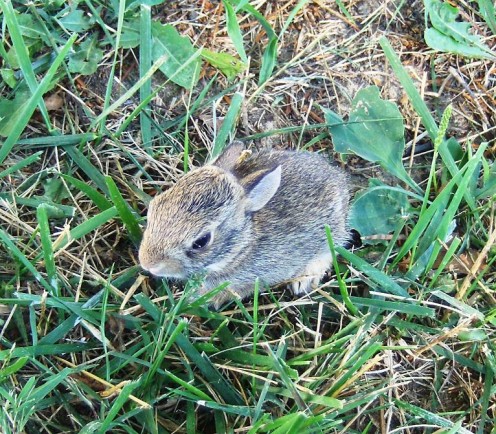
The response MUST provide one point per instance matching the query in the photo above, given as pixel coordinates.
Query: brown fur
(266, 213)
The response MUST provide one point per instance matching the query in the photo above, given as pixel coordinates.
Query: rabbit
(247, 216)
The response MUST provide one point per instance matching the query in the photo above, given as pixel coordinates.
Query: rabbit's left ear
(263, 190)
(229, 156)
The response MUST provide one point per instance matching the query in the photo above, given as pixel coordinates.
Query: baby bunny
(245, 216)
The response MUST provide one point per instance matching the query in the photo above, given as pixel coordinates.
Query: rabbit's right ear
(263, 190)
(228, 158)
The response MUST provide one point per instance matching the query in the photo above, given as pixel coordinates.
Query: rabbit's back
(289, 232)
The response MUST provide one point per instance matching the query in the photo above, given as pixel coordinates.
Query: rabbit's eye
(202, 242)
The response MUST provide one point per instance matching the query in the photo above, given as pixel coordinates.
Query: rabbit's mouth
(162, 270)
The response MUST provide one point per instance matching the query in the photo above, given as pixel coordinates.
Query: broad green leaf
(167, 41)
(378, 210)
(472, 335)
(130, 36)
(76, 21)
(441, 42)
(452, 36)
(55, 190)
(374, 131)
(229, 65)
(85, 59)
(8, 75)
(30, 27)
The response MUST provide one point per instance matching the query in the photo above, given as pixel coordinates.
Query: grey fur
(284, 240)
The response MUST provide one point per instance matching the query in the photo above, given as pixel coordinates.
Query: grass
(399, 338)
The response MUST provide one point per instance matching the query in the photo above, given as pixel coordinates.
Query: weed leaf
(378, 210)
(86, 58)
(229, 65)
(167, 41)
(374, 131)
(76, 21)
(451, 36)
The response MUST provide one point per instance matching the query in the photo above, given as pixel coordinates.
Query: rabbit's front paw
(314, 270)
(304, 285)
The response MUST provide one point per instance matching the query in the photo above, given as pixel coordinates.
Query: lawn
(105, 104)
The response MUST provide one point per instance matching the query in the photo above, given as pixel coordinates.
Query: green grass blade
(11, 369)
(21, 50)
(65, 140)
(419, 105)
(86, 227)
(14, 250)
(269, 60)
(218, 382)
(46, 244)
(54, 210)
(234, 31)
(247, 7)
(228, 124)
(292, 15)
(87, 167)
(342, 285)
(395, 306)
(48, 386)
(44, 350)
(238, 410)
(383, 280)
(60, 331)
(486, 8)
(368, 351)
(486, 399)
(28, 110)
(119, 402)
(98, 199)
(21, 164)
(286, 374)
(127, 95)
(128, 218)
(145, 63)
(438, 229)
(100, 120)
(427, 416)
(462, 308)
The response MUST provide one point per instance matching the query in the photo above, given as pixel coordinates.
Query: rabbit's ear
(263, 190)
(229, 156)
